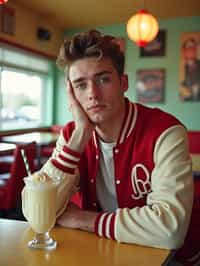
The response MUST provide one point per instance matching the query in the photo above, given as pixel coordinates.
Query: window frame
(47, 84)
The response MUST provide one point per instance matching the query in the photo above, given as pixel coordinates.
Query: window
(24, 90)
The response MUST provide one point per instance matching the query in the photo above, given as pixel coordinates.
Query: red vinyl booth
(11, 184)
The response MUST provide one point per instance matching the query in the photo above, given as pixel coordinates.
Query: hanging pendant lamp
(142, 27)
(3, 2)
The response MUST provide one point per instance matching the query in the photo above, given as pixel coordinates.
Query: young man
(134, 166)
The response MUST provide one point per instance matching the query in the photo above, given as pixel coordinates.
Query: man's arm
(65, 158)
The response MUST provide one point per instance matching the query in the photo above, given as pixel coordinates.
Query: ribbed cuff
(67, 160)
(105, 225)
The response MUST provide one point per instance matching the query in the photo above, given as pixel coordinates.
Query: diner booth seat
(194, 149)
(194, 142)
(5, 163)
(190, 253)
(11, 183)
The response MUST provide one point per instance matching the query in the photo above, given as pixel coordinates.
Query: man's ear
(124, 82)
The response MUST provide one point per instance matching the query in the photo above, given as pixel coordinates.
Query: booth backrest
(194, 142)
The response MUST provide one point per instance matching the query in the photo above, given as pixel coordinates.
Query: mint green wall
(49, 95)
(62, 114)
(187, 112)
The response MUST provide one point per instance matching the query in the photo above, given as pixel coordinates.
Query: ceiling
(89, 13)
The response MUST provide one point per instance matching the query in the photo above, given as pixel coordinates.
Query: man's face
(98, 88)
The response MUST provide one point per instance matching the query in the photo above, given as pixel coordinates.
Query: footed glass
(39, 208)
(42, 241)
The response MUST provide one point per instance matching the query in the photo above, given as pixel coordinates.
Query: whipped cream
(40, 180)
(40, 177)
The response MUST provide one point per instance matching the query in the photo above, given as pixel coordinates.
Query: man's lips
(96, 107)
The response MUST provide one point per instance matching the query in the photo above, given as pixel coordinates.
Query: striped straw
(25, 162)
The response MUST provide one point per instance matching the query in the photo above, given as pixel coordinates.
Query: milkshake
(39, 203)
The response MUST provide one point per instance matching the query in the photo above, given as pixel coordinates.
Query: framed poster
(156, 47)
(150, 85)
(189, 77)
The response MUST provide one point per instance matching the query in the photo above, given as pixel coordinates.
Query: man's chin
(97, 119)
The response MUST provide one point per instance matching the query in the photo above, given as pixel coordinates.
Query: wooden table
(75, 248)
(5, 148)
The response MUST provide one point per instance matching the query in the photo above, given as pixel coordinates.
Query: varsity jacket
(153, 178)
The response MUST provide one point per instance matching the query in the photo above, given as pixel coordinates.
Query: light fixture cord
(144, 4)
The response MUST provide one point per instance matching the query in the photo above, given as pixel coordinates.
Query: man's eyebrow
(78, 80)
(103, 73)
(96, 75)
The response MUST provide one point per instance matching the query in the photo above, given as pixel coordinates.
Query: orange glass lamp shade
(142, 28)
(3, 2)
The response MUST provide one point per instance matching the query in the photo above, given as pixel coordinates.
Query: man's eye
(81, 86)
(103, 80)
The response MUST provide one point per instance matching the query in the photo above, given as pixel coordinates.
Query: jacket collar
(127, 125)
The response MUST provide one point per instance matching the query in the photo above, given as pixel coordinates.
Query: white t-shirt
(105, 185)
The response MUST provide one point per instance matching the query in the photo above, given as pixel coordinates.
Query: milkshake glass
(39, 207)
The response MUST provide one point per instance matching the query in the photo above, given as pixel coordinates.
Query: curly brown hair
(91, 44)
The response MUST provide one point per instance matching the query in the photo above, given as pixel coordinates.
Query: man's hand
(76, 218)
(80, 117)
(83, 126)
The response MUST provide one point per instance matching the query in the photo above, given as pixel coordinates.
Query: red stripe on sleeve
(71, 152)
(62, 167)
(63, 158)
(104, 225)
(97, 223)
(112, 227)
